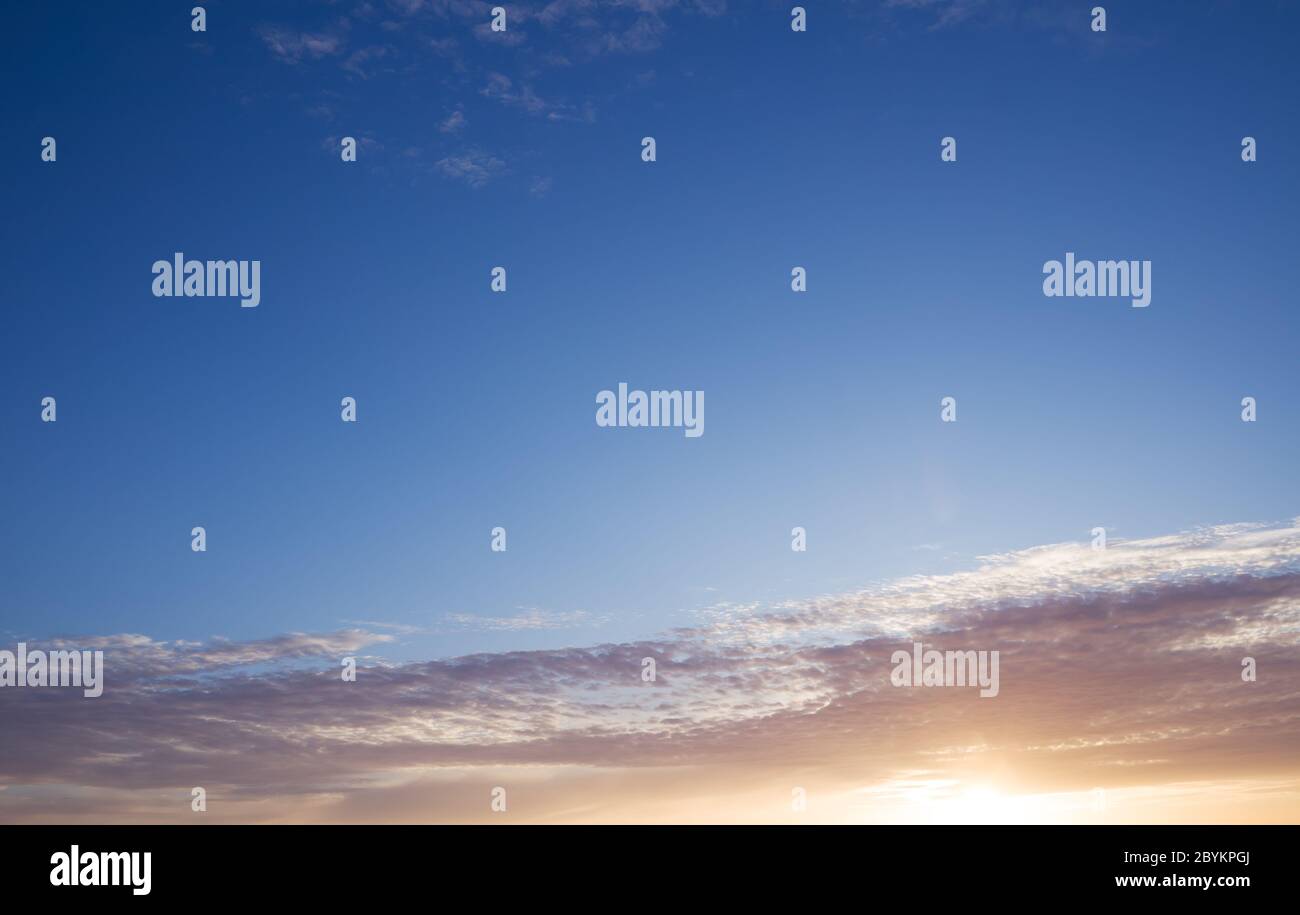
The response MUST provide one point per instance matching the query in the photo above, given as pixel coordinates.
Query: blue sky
(775, 149)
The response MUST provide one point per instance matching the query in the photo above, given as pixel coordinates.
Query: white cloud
(453, 123)
(473, 167)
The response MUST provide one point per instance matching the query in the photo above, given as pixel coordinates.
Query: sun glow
(933, 801)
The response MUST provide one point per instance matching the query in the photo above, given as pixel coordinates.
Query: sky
(774, 149)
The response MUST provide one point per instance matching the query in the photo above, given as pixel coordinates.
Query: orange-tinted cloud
(1120, 669)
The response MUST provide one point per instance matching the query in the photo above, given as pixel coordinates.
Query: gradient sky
(775, 149)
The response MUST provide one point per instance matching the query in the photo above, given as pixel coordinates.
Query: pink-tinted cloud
(1120, 668)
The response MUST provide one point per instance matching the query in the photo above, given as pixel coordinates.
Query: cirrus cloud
(1120, 668)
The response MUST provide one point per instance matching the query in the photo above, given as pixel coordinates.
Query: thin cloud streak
(1120, 668)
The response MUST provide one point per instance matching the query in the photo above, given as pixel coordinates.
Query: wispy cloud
(452, 123)
(359, 61)
(292, 46)
(946, 12)
(1119, 667)
(398, 628)
(502, 89)
(510, 37)
(529, 618)
(473, 167)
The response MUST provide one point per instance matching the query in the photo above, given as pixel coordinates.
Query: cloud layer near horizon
(1120, 669)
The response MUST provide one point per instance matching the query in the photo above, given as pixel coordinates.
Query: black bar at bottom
(613, 866)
